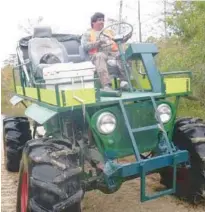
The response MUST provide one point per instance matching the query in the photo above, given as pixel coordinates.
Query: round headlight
(106, 123)
(165, 112)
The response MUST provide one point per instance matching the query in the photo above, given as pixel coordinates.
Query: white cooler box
(70, 72)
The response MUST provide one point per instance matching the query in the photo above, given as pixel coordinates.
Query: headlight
(106, 123)
(165, 112)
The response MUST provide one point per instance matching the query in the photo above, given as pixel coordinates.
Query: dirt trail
(9, 182)
(126, 199)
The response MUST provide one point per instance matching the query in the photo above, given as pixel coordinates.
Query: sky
(66, 16)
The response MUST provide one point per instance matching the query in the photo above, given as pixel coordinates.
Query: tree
(11, 60)
(30, 24)
(186, 46)
(187, 23)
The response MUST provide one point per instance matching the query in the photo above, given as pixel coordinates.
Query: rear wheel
(189, 134)
(49, 178)
(16, 132)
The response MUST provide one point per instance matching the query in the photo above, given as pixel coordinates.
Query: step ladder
(144, 163)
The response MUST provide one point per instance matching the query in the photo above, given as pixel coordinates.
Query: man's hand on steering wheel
(105, 42)
(122, 36)
(101, 42)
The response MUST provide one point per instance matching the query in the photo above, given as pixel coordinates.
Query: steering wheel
(124, 29)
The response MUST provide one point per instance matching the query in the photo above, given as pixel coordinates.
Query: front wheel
(49, 178)
(189, 134)
(16, 132)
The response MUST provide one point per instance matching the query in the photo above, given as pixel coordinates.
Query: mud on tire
(50, 171)
(189, 134)
(16, 132)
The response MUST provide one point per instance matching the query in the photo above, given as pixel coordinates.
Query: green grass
(174, 56)
(191, 108)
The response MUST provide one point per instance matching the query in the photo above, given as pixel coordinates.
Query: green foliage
(185, 49)
(187, 22)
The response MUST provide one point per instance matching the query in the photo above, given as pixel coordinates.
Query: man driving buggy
(101, 51)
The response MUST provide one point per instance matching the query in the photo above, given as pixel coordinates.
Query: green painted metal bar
(174, 174)
(24, 91)
(122, 57)
(38, 93)
(152, 72)
(144, 197)
(21, 78)
(177, 98)
(161, 125)
(175, 73)
(22, 82)
(115, 82)
(109, 101)
(60, 122)
(134, 50)
(113, 93)
(57, 95)
(155, 126)
(63, 97)
(152, 164)
(187, 85)
(136, 151)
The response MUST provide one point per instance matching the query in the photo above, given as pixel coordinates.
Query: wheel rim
(24, 192)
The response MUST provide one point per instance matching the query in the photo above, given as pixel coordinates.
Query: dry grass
(7, 91)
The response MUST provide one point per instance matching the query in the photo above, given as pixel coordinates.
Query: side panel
(76, 97)
(177, 85)
(66, 98)
(31, 92)
(48, 96)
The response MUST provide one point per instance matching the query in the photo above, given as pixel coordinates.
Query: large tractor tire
(49, 178)
(189, 134)
(16, 132)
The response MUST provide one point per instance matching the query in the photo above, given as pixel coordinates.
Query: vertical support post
(24, 91)
(139, 22)
(144, 197)
(142, 183)
(162, 126)
(38, 93)
(57, 95)
(175, 115)
(120, 15)
(174, 174)
(122, 57)
(152, 72)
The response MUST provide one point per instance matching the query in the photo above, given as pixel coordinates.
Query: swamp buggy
(88, 130)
